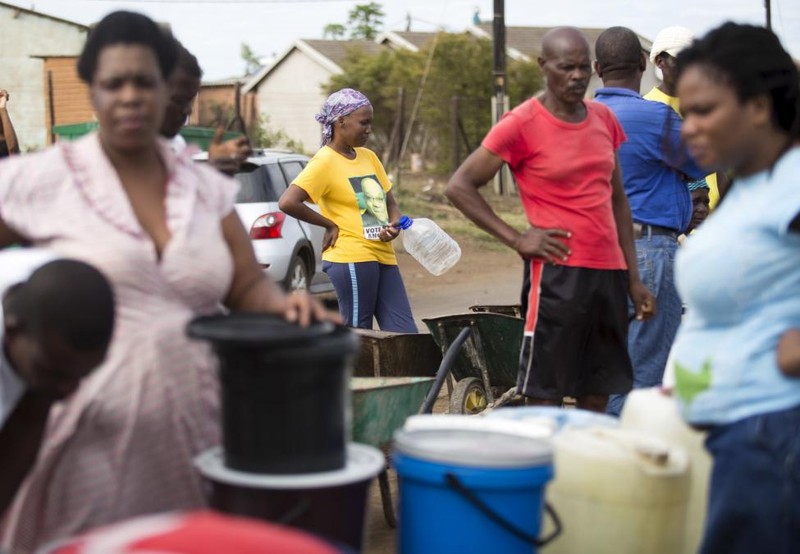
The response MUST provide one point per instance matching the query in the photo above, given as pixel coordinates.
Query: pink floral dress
(123, 444)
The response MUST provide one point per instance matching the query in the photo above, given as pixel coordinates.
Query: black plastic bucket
(331, 504)
(285, 391)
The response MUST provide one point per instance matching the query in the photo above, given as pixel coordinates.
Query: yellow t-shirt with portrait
(352, 194)
(657, 95)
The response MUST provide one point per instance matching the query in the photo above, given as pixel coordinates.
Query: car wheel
(297, 278)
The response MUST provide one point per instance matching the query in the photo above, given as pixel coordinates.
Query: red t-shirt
(563, 172)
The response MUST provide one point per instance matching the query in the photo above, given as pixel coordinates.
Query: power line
(229, 1)
(780, 16)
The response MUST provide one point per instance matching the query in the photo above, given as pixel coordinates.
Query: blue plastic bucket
(471, 491)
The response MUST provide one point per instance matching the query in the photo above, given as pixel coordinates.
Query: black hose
(444, 368)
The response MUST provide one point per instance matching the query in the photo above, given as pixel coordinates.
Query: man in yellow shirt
(668, 44)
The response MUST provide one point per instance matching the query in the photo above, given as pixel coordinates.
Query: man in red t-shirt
(562, 151)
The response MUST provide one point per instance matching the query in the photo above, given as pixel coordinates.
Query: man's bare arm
(6, 127)
(462, 190)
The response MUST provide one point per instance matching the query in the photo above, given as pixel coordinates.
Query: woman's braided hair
(753, 61)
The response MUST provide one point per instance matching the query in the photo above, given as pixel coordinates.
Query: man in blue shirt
(655, 170)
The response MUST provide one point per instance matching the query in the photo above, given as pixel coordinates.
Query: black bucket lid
(363, 463)
(261, 329)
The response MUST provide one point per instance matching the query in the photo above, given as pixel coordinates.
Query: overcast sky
(215, 30)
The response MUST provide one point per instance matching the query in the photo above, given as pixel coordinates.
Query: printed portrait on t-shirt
(372, 204)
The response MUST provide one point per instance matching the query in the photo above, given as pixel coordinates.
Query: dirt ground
(482, 276)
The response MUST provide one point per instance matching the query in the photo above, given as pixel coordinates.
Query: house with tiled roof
(407, 40)
(289, 91)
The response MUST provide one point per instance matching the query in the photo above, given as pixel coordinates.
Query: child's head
(58, 325)
(700, 203)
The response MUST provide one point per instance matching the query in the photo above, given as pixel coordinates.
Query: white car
(289, 250)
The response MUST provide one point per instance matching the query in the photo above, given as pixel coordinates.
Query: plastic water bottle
(429, 244)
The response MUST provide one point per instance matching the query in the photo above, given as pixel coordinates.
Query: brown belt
(642, 230)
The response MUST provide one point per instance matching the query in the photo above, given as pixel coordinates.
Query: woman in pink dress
(165, 232)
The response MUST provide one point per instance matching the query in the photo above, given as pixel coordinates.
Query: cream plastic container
(618, 491)
(653, 412)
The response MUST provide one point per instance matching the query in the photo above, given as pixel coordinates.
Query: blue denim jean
(754, 494)
(649, 342)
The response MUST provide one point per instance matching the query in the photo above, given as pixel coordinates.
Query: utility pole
(455, 138)
(499, 57)
(499, 72)
(399, 137)
(769, 14)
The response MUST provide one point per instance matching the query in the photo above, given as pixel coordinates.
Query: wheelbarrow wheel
(468, 397)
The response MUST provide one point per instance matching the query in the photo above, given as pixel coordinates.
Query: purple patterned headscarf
(340, 103)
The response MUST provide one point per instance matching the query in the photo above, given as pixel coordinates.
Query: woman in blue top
(736, 358)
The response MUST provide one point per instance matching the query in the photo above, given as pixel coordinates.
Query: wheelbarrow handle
(444, 368)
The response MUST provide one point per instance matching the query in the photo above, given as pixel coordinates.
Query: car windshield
(258, 184)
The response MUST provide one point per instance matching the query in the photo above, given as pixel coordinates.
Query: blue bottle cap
(405, 222)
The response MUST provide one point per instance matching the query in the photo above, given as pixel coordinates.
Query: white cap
(671, 40)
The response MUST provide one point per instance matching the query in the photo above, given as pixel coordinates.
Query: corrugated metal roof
(338, 50)
(418, 39)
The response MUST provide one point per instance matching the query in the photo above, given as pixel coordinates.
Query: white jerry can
(618, 491)
(653, 412)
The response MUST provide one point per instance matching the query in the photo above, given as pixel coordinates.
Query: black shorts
(576, 332)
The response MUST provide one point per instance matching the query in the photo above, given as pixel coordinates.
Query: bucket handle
(473, 499)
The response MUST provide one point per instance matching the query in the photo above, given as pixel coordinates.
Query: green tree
(251, 62)
(461, 66)
(335, 31)
(524, 80)
(365, 20)
(262, 136)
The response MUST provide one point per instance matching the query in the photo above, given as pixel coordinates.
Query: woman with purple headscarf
(359, 215)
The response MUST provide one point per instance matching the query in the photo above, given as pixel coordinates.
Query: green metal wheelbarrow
(514, 310)
(382, 404)
(485, 371)
(388, 354)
